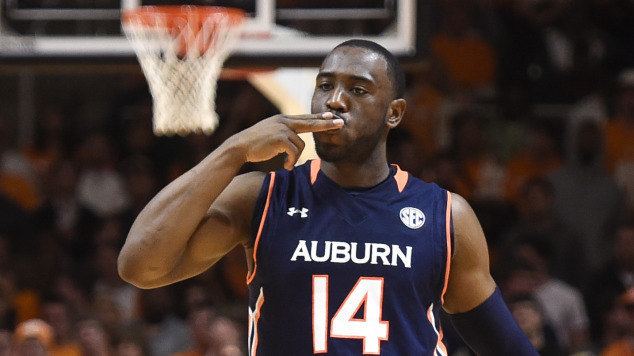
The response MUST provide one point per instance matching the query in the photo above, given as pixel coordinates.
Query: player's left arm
(472, 299)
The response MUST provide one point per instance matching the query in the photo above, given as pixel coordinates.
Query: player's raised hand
(278, 134)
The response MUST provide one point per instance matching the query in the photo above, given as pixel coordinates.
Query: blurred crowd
(524, 107)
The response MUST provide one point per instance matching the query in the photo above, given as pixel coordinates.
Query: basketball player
(347, 255)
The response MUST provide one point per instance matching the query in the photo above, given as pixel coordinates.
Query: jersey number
(368, 291)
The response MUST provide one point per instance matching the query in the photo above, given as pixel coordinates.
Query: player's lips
(339, 116)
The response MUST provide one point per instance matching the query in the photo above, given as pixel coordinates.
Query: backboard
(284, 32)
(43, 39)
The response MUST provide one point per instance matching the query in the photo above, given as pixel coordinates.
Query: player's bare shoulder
(465, 222)
(469, 241)
(469, 280)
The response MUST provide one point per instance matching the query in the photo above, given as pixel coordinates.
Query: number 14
(371, 328)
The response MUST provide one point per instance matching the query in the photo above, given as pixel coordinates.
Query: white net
(181, 56)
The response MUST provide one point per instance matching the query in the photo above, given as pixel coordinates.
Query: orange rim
(174, 15)
(186, 24)
(243, 73)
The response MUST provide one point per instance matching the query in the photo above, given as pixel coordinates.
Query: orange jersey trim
(440, 345)
(401, 178)
(315, 166)
(449, 252)
(262, 220)
(256, 319)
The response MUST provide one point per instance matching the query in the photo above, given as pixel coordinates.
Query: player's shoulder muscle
(470, 261)
(467, 229)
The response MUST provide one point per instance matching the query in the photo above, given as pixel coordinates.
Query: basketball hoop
(181, 50)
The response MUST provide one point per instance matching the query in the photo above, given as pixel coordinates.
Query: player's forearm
(161, 232)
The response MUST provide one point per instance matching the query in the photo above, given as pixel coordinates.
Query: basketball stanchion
(181, 50)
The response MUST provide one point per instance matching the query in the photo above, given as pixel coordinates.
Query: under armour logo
(292, 211)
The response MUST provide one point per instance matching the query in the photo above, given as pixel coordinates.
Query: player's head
(394, 69)
(363, 83)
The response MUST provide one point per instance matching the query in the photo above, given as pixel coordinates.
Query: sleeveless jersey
(342, 272)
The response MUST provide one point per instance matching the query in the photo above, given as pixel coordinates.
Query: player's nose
(336, 101)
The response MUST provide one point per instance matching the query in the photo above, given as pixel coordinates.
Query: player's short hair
(395, 71)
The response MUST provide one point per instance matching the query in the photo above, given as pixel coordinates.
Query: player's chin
(329, 152)
(330, 137)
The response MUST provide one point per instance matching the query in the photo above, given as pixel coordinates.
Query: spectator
(55, 312)
(18, 179)
(226, 339)
(539, 157)
(616, 277)
(66, 289)
(425, 100)
(101, 188)
(49, 144)
(195, 296)
(129, 347)
(587, 200)
(530, 318)
(537, 218)
(104, 310)
(478, 166)
(467, 58)
(619, 135)
(165, 332)
(18, 302)
(623, 345)
(93, 338)
(111, 290)
(61, 204)
(200, 321)
(562, 305)
(33, 338)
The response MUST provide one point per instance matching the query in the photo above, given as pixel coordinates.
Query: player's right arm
(203, 214)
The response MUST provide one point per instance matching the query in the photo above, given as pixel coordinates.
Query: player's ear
(395, 112)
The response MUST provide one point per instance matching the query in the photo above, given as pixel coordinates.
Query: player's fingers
(319, 115)
(292, 154)
(299, 143)
(323, 123)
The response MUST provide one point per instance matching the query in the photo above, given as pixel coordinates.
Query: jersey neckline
(396, 177)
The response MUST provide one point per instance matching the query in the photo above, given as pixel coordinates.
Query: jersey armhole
(449, 241)
(258, 209)
(259, 218)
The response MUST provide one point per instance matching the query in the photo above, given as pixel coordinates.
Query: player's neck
(366, 174)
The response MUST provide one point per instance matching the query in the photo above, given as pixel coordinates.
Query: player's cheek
(317, 104)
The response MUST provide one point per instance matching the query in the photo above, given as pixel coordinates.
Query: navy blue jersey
(343, 272)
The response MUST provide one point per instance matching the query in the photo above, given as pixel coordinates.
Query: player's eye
(325, 86)
(358, 91)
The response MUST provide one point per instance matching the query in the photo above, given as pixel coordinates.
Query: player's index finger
(313, 122)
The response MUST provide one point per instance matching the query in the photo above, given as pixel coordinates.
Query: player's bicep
(226, 225)
(470, 282)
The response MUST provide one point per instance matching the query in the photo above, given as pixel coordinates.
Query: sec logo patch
(412, 217)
